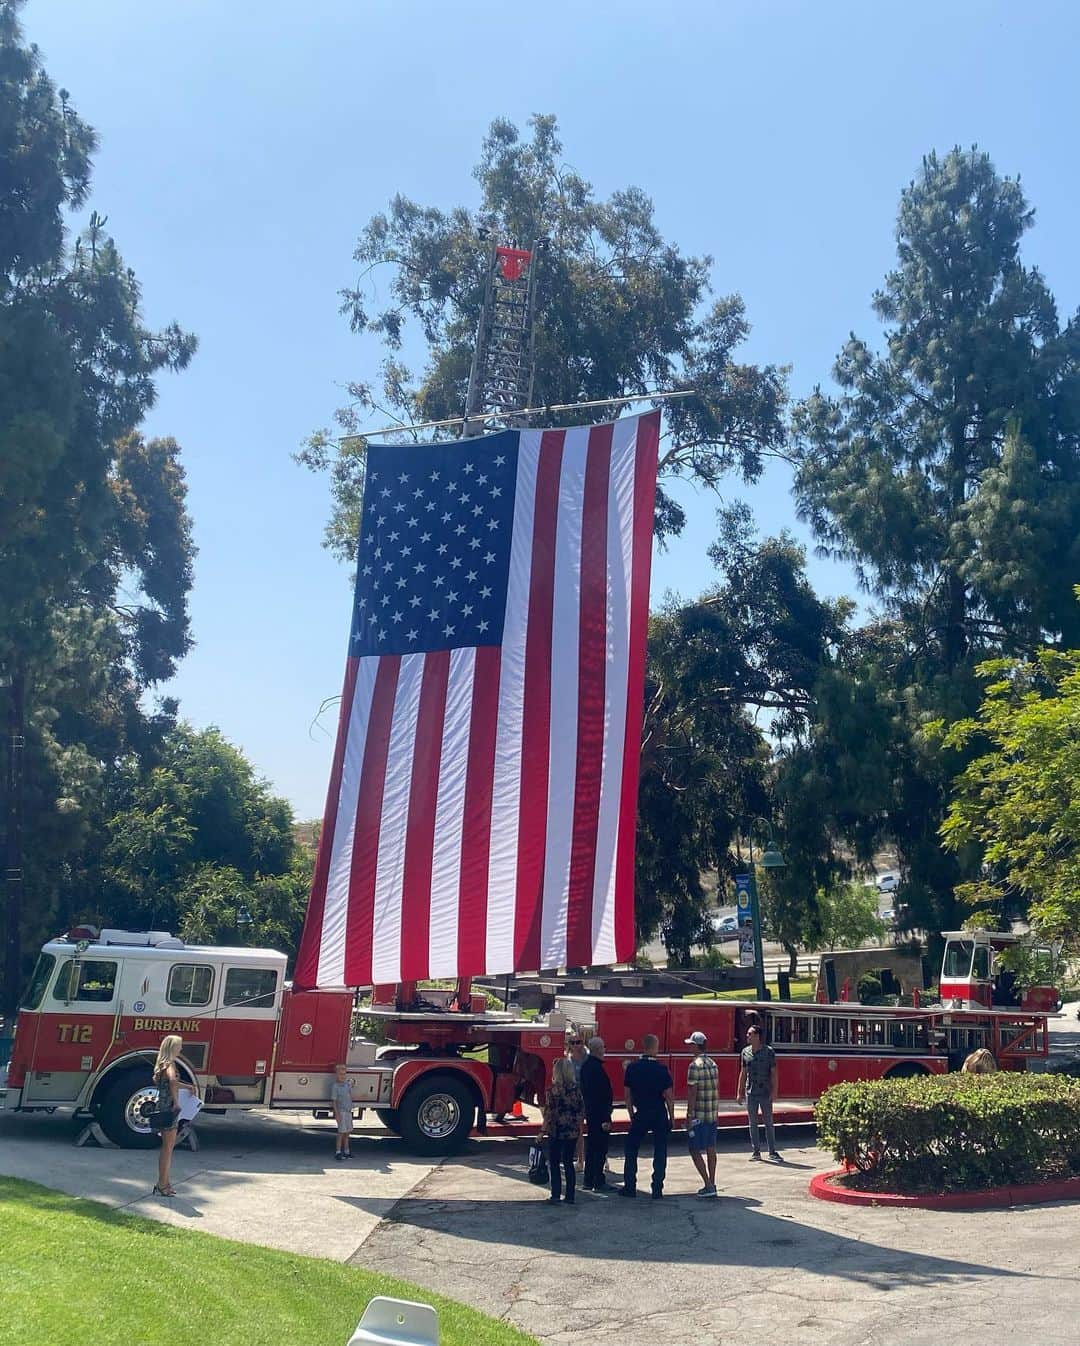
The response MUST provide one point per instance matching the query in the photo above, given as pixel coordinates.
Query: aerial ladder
(501, 376)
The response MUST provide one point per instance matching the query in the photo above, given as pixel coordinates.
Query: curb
(988, 1198)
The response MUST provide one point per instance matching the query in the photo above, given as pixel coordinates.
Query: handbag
(538, 1165)
(162, 1119)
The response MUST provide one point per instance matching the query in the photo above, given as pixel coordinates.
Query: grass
(78, 1271)
(802, 989)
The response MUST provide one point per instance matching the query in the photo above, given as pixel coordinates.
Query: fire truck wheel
(906, 1072)
(437, 1114)
(120, 1111)
(390, 1118)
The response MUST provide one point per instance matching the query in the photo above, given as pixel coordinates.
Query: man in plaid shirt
(702, 1106)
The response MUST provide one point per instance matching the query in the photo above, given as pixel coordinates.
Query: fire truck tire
(390, 1118)
(118, 1111)
(437, 1114)
(908, 1071)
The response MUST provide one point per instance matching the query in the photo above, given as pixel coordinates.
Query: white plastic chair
(396, 1322)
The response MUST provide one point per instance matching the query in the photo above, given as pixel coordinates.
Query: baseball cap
(696, 1040)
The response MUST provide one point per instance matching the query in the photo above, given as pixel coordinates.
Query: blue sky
(244, 145)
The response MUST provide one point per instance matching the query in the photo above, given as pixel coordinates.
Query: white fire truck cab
(99, 1004)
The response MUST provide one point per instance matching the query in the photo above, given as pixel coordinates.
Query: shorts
(702, 1136)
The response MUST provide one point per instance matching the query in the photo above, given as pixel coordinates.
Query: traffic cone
(517, 1110)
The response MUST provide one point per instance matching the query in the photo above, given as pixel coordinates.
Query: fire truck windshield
(42, 972)
(958, 958)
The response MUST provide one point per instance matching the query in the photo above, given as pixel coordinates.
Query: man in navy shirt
(650, 1101)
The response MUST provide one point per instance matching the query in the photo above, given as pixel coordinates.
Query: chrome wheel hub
(439, 1116)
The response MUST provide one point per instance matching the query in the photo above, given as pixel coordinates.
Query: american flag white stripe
(407, 869)
(449, 812)
(620, 549)
(386, 924)
(336, 911)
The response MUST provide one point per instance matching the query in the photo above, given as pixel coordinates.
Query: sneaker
(706, 1191)
(776, 1156)
(338, 1156)
(755, 1155)
(628, 1191)
(568, 1200)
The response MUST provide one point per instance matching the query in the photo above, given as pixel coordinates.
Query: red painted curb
(989, 1198)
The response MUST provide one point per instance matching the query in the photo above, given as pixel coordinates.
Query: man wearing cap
(702, 1106)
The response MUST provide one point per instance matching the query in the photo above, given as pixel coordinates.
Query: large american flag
(481, 810)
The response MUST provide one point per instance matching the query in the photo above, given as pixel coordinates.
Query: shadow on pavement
(731, 1232)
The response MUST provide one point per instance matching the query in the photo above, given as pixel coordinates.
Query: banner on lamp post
(745, 918)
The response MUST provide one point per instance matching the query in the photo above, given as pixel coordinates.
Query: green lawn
(801, 989)
(78, 1271)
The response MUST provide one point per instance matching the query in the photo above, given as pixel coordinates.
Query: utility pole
(501, 377)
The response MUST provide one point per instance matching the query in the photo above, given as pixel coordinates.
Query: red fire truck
(99, 1004)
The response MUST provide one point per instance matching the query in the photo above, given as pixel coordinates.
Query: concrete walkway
(765, 1263)
(267, 1178)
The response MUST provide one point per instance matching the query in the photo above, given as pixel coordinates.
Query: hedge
(945, 1133)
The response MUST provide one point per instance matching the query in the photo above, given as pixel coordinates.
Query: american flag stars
(405, 566)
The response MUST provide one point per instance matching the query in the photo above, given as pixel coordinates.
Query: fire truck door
(75, 1028)
(249, 1001)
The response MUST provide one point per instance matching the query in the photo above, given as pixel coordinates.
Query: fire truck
(99, 1004)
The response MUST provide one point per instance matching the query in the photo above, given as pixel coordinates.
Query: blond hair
(562, 1073)
(980, 1062)
(167, 1053)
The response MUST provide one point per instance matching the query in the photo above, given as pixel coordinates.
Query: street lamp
(770, 859)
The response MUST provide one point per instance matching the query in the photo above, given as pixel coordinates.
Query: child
(343, 1105)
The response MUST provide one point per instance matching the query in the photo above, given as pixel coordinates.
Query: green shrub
(941, 1133)
(711, 958)
(869, 988)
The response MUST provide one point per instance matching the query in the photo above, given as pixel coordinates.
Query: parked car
(725, 927)
(888, 883)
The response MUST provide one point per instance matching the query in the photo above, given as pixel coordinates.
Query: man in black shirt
(650, 1101)
(597, 1095)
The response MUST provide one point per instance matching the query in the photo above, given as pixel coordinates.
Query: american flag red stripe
(482, 802)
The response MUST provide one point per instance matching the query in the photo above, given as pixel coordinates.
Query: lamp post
(244, 921)
(770, 859)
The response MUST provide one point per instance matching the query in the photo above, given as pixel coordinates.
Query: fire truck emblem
(139, 1006)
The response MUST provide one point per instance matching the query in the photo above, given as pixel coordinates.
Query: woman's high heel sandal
(165, 1191)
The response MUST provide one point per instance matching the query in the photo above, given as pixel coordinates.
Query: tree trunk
(793, 959)
(13, 871)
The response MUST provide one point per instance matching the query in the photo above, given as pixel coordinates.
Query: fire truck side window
(190, 984)
(981, 963)
(42, 972)
(82, 980)
(250, 985)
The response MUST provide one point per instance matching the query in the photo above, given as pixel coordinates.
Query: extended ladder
(501, 377)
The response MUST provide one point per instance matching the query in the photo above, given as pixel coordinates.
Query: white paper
(189, 1105)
